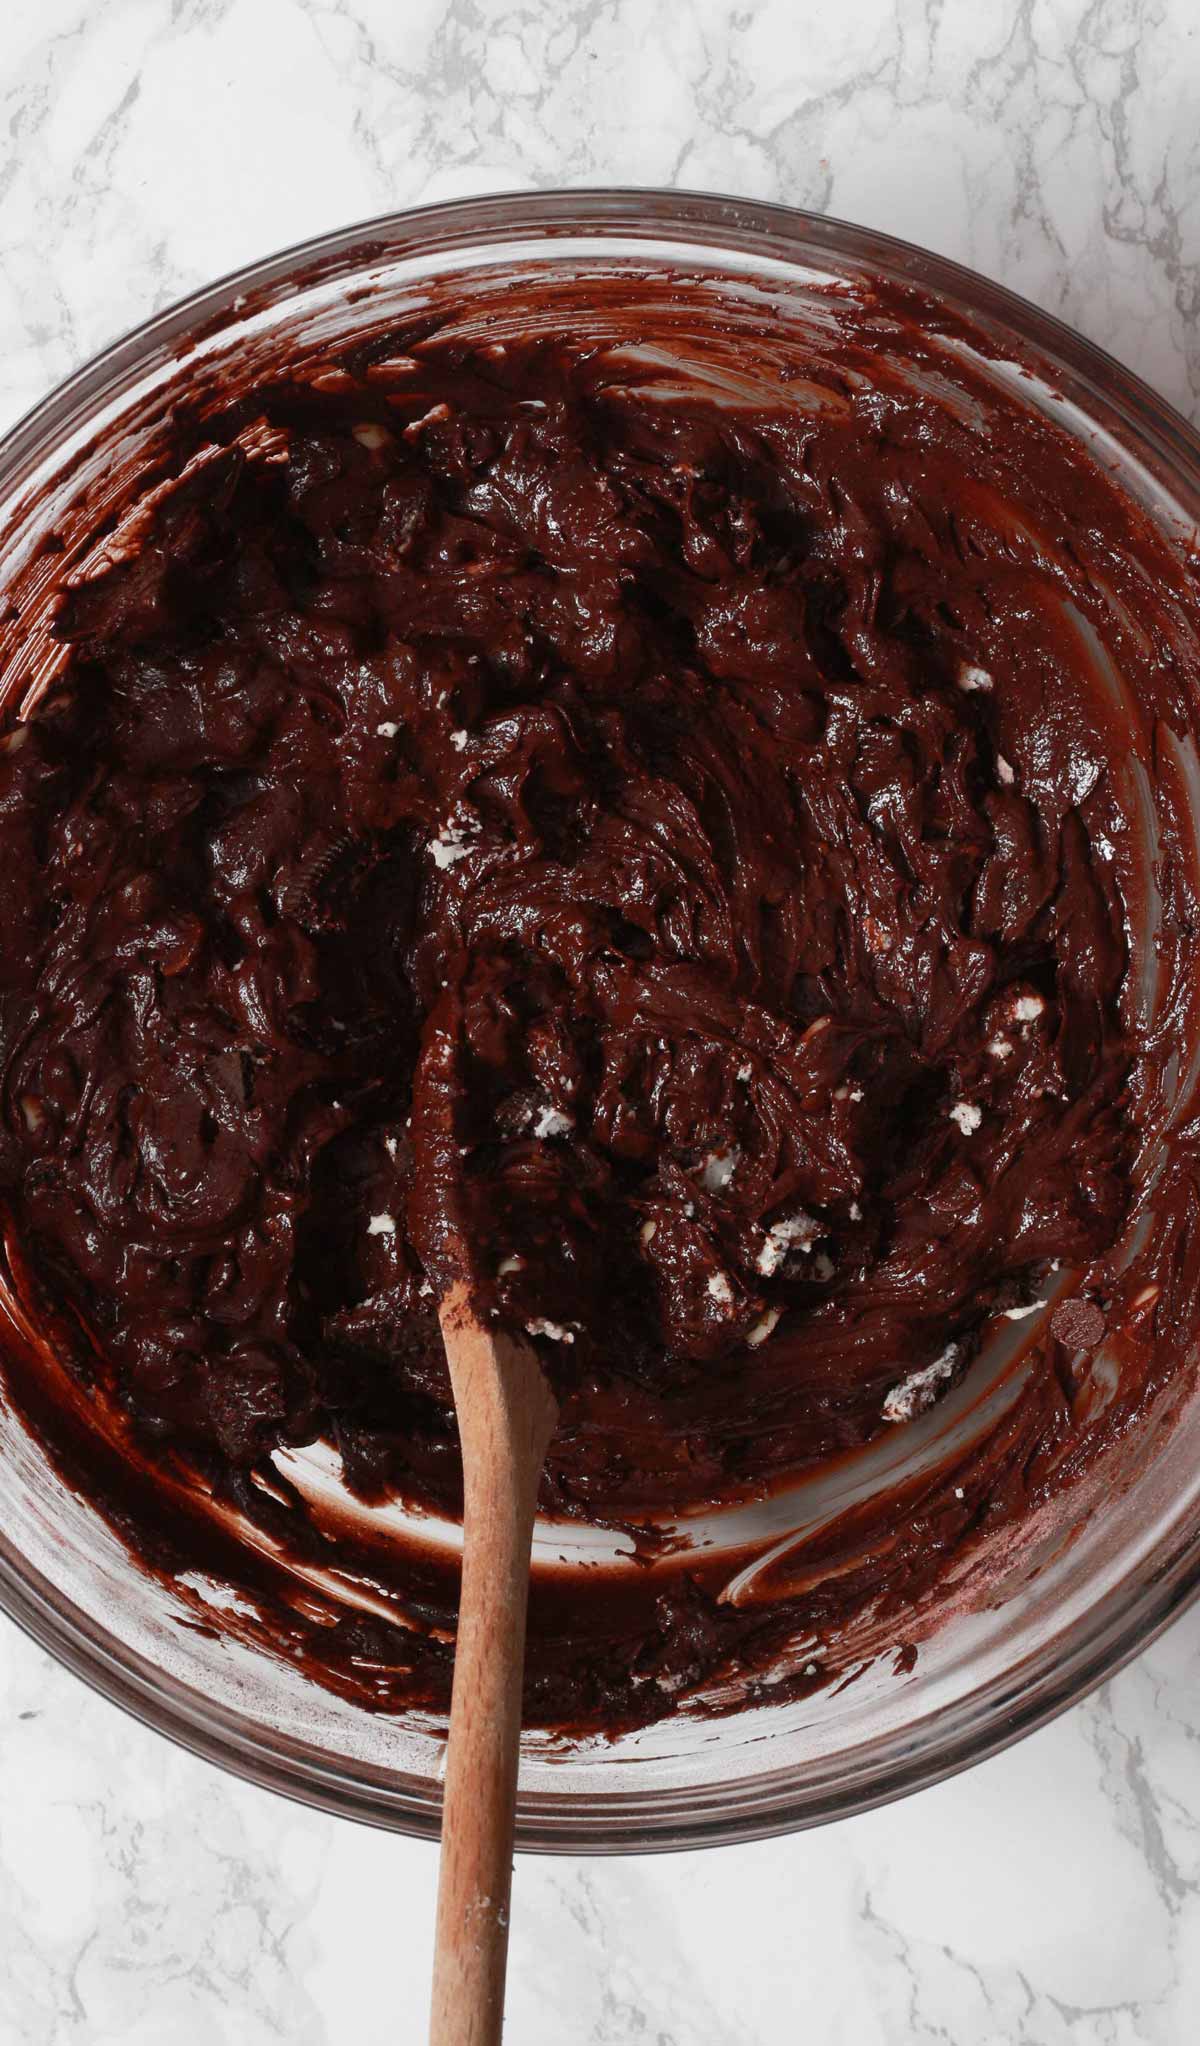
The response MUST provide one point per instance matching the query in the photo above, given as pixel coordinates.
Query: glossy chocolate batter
(732, 792)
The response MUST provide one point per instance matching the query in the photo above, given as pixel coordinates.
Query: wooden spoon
(506, 1417)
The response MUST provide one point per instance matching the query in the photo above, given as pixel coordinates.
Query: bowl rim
(1046, 1680)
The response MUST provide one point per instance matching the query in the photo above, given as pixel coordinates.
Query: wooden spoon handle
(506, 1418)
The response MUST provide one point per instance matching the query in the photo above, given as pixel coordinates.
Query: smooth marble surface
(1052, 1897)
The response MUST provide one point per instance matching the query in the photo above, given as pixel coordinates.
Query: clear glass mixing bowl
(1050, 1612)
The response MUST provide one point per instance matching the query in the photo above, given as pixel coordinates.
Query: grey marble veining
(1052, 1897)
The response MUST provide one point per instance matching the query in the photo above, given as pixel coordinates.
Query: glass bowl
(1052, 1609)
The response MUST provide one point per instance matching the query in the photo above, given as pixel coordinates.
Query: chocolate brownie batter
(726, 805)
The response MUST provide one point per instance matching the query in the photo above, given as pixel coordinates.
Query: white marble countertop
(1051, 1897)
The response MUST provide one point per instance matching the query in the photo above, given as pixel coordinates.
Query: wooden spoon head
(498, 1382)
